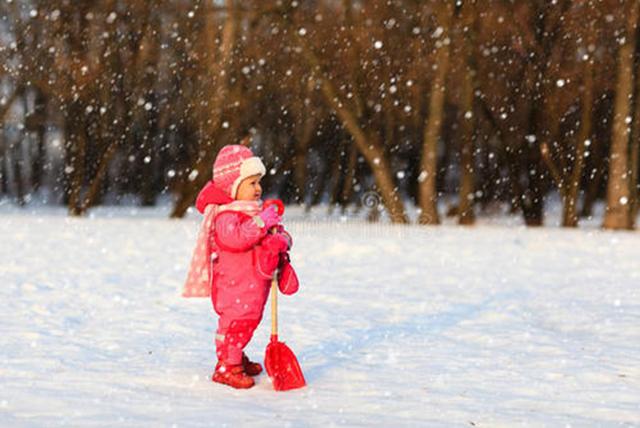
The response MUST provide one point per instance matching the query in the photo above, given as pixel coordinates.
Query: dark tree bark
(36, 124)
(464, 41)
(432, 128)
(618, 213)
(568, 180)
(76, 140)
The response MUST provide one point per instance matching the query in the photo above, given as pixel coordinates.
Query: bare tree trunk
(76, 138)
(570, 195)
(467, 174)
(369, 145)
(635, 149)
(634, 165)
(337, 175)
(618, 214)
(428, 192)
(350, 175)
(569, 182)
(21, 159)
(94, 188)
(593, 187)
(18, 176)
(547, 27)
(5, 148)
(4, 170)
(467, 116)
(533, 197)
(38, 126)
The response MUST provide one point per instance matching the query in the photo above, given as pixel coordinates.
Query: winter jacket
(235, 256)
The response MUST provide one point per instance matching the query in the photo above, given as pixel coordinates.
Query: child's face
(249, 189)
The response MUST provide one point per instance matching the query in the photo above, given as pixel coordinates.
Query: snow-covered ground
(393, 326)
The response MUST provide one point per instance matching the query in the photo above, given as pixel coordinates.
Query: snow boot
(251, 368)
(232, 375)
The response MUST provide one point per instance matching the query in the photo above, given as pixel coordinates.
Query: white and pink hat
(233, 164)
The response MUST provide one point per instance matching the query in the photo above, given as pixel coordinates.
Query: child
(239, 248)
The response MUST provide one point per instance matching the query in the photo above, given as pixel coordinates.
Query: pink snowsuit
(239, 293)
(234, 265)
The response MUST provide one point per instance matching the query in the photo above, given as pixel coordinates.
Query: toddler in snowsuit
(239, 248)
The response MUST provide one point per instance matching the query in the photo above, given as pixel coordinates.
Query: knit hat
(233, 164)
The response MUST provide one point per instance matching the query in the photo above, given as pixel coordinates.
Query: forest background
(375, 105)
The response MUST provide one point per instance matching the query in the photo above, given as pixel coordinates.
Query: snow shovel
(281, 364)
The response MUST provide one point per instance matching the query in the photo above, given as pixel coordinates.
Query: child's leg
(231, 338)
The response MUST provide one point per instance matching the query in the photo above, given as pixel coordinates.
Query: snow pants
(232, 337)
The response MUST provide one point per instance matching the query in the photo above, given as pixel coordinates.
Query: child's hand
(268, 254)
(270, 217)
(276, 202)
(275, 244)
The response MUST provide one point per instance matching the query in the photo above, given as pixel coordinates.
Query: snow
(394, 326)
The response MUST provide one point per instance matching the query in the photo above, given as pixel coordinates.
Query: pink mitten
(268, 254)
(288, 280)
(270, 217)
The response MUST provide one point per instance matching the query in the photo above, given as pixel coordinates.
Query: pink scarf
(198, 283)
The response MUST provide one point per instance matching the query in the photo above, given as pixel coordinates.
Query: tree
(463, 41)
(618, 212)
(443, 12)
(352, 117)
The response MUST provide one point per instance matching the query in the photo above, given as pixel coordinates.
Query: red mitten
(287, 279)
(268, 254)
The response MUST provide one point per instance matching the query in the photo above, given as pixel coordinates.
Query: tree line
(481, 102)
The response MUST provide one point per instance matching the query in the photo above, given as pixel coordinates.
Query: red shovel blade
(282, 366)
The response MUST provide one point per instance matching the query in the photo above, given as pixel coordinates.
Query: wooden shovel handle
(274, 297)
(274, 304)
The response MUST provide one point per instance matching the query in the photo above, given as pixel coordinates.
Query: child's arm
(238, 233)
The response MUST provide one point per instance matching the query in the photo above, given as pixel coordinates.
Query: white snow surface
(492, 325)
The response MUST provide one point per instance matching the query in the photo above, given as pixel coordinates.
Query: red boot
(251, 368)
(233, 376)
